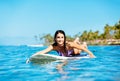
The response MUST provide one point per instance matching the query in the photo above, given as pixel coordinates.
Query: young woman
(65, 48)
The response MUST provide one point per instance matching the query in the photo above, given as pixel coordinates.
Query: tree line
(110, 32)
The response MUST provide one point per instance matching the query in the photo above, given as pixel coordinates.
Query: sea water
(105, 67)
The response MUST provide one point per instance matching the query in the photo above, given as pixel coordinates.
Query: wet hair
(55, 35)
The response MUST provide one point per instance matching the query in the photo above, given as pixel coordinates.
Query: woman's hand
(92, 56)
(36, 53)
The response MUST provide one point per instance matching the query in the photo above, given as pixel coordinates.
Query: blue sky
(21, 20)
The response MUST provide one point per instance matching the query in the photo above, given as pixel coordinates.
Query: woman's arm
(41, 52)
(50, 48)
(74, 45)
(89, 52)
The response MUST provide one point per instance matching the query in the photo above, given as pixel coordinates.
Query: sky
(21, 20)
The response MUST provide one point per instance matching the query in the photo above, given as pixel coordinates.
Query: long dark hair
(55, 42)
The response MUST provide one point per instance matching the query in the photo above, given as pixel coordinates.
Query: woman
(65, 48)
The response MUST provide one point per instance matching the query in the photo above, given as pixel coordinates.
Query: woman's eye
(60, 37)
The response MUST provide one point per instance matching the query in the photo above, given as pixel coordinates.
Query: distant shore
(104, 42)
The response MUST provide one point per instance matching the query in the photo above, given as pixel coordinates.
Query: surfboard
(47, 58)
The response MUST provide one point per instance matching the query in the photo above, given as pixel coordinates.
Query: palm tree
(90, 35)
(84, 36)
(106, 31)
(48, 39)
(117, 31)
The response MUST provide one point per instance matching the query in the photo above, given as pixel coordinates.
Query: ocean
(105, 67)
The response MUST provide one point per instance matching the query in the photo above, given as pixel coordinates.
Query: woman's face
(60, 39)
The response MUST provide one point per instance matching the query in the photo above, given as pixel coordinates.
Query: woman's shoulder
(67, 42)
(70, 44)
(54, 46)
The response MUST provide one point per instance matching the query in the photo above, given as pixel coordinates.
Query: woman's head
(60, 37)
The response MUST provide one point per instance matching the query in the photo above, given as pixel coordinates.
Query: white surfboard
(46, 58)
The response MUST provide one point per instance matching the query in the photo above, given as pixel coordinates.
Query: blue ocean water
(13, 67)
